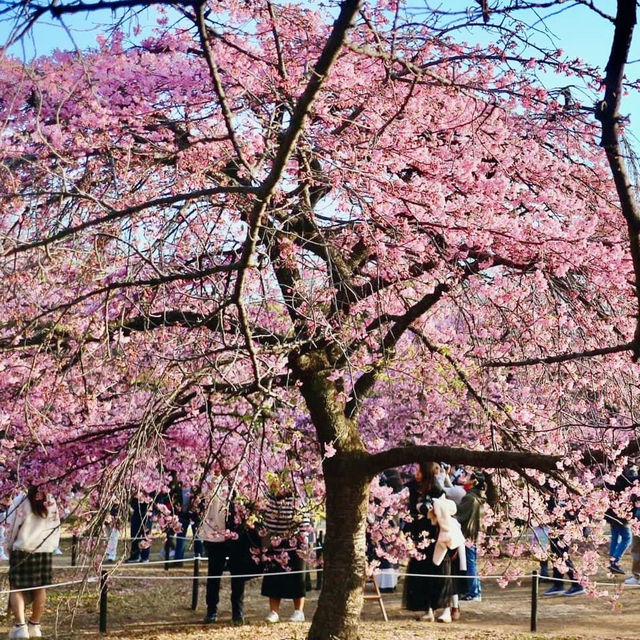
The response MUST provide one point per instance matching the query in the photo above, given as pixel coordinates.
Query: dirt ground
(143, 606)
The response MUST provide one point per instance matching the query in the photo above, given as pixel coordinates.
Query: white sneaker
(3, 555)
(273, 617)
(297, 616)
(428, 616)
(57, 551)
(445, 616)
(633, 581)
(19, 631)
(34, 629)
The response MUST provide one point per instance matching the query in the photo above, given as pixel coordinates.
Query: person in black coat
(424, 589)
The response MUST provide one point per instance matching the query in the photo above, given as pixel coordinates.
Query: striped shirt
(281, 516)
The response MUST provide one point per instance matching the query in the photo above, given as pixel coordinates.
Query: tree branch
(217, 84)
(364, 385)
(515, 460)
(116, 214)
(348, 11)
(565, 357)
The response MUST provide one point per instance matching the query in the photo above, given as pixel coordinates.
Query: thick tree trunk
(340, 603)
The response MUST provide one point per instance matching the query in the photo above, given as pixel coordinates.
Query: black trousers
(140, 528)
(558, 549)
(223, 555)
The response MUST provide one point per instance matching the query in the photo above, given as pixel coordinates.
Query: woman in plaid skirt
(33, 532)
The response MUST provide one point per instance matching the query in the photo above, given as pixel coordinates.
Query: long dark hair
(428, 473)
(38, 502)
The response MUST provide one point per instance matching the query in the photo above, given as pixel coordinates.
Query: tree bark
(607, 112)
(340, 604)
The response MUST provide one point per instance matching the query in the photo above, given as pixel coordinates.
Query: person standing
(469, 515)
(425, 589)
(388, 576)
(284, 522)
(140, 529)
(634, 580)
(617, 519)
(224, 546)
(183, 504)
(560, 551)
(33, 532)
(112, 534)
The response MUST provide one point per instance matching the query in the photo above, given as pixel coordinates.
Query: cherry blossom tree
(320, 241)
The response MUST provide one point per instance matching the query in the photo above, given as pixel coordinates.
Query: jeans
(475, 586)
(218, 554)
(181, 538)
(620, 540)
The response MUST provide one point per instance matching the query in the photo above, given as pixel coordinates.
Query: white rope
(448, 575)
(50, 586)
(224, 575)
(171, 561)
(525, 576)
(112, 576)
(137, 564)
(603, 584)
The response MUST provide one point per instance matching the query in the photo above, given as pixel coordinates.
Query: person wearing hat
(469, 515)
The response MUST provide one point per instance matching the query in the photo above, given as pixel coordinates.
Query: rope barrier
(50, 586)
(112, 571)
(223, 575)
(141, 564)
(113, 575)
(377, 573)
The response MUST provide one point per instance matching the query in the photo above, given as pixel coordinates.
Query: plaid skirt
(27, 569)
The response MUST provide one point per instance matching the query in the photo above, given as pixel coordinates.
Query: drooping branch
(27, 14)
(463, 377)
(597, 456)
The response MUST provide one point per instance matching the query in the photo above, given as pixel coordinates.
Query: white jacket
(214, 524)
(27, 531)
(449, 532)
